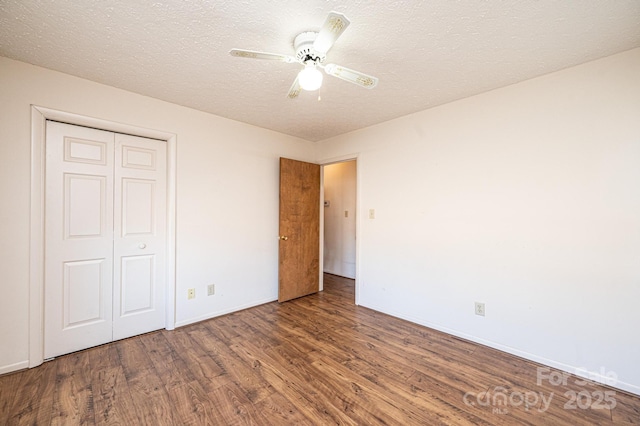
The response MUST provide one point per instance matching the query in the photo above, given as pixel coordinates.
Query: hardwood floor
(316, 360)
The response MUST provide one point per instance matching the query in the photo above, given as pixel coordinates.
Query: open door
(299, 252)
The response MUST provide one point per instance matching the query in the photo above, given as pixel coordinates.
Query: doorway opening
(339, 220)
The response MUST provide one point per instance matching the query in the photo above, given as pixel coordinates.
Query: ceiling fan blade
(352, 76)
(295, 89)
(333, 27)
(241, 53)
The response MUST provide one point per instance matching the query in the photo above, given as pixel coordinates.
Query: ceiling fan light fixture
(310, 78)
(310, 51)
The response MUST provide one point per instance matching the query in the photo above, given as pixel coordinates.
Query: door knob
(143, 246)
(283, 237)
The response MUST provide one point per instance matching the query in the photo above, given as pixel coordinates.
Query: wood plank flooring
(317, 360)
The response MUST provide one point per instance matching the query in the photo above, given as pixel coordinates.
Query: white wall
(227, 195)
(526, 198)
(339, 181)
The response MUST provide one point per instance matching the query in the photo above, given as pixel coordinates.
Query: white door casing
(105, 237)
(39, 117)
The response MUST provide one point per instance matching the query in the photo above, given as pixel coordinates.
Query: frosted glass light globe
(310, 78)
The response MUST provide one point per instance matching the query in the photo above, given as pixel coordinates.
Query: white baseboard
(224, 312)
(14, 367)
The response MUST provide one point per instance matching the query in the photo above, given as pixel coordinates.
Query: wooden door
(78, 238)
(105, 240)
(299, 252)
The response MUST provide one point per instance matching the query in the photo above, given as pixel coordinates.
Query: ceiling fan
(310, 50)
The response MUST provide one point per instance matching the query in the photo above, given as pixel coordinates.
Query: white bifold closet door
(105, 237)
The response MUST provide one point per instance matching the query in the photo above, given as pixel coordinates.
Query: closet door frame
(39, 117)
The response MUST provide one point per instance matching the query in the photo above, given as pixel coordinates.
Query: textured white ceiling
(425, 53)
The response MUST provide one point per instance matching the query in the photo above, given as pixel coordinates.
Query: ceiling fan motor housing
(303, 44)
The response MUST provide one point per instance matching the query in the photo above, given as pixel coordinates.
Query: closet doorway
(105, 237)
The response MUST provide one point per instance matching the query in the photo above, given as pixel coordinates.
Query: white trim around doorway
(39, 117)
